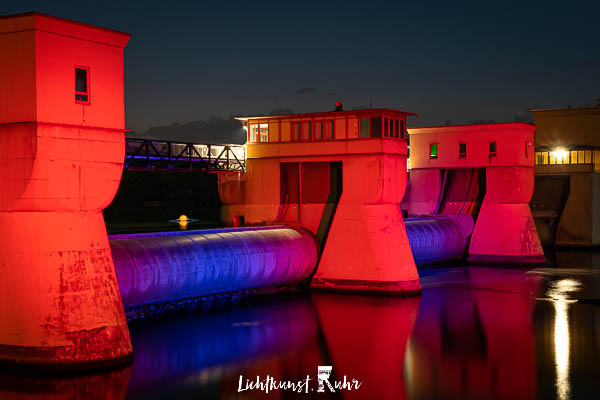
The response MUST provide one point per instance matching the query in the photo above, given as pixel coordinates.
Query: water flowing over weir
(167, 267)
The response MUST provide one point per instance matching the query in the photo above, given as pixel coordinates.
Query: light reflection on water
(559, 294)
(475, 333)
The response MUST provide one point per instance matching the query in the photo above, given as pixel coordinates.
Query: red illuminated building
(341, 175)
(62, 131)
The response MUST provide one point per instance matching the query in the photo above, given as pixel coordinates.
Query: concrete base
(400, 288)
(506, 259)
(367, 250)
(59, 298)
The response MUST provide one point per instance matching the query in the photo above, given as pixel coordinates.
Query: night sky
(447, 61)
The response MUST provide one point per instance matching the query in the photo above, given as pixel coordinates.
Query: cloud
(306, 90)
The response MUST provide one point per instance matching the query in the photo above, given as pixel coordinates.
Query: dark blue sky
(447, 61)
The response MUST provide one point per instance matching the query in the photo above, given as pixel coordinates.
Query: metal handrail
(176, 155)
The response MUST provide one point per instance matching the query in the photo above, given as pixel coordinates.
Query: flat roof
(470, 127)
(49, 23)
(566, 109)
(328, 114)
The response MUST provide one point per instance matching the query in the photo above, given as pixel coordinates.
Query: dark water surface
(475, 333)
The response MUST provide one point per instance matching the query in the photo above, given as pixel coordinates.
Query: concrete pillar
(505, 231)
(62, 141)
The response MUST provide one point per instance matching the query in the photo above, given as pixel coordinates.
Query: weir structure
(62, 117)
(483, 170)
(341, 175)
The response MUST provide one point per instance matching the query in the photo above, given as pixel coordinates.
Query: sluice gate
(170, 266)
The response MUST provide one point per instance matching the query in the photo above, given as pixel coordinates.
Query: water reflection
(560, 293)
(475, 333)
(473, 337)
(109, 385)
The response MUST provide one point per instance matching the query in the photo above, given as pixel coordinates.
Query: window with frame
(376, 127)
(319, 130)
(253, 133)
(82, 85)
(386, 127)
(364, 127)
(492, 149)
(433, 150)
(295, 131)
(263, 133)
(462, 150)
(402, 130)
(329, 129)
(306, 131)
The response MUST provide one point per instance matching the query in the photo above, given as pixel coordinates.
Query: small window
(401, 129)
(296, 131)
(306, 133)
(386, 127)
(82, 85)
(329, 129)
(375, 126)
(492, 149)
(433, 150)
(462, 150)
(253, 133)
(263, 133)
(573, 157)
(319, 130)
(364, 127)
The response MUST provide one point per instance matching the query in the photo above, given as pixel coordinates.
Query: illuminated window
(462, 150)
(492, 149)
(263, 132)
(253, 133)
(573, 157)
(82, 85)
(433, 150)
(364, 127)
(539, 158)
(588, 156)
(375, 126)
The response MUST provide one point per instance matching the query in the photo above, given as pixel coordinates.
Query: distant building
(566, 200)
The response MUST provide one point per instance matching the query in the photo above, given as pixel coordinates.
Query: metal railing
(162, 154)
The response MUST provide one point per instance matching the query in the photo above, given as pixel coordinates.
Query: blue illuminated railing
(160, 154)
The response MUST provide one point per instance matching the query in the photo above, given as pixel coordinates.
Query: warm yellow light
(561, 155)
(560, 296)
(183, 218)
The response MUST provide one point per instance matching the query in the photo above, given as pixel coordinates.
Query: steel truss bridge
(152, 154)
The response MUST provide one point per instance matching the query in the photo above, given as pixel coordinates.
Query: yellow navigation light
(183, 218)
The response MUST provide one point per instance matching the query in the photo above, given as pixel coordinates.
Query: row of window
(565, 157)
(392, 128)
(374, 127)
(321, 130)
(462, 150)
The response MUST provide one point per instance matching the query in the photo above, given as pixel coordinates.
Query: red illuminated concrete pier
(62, 135)
(340, 175)
(484, 170)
